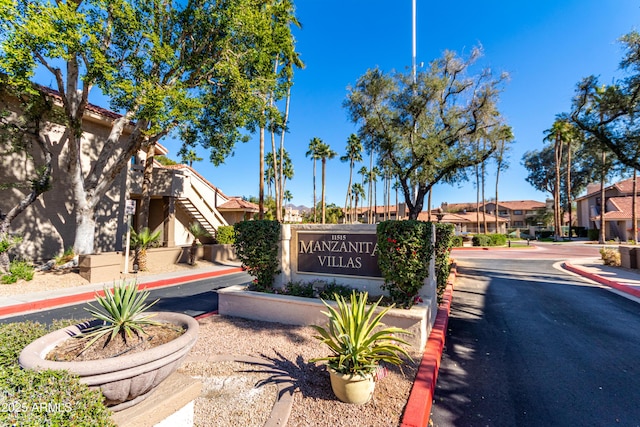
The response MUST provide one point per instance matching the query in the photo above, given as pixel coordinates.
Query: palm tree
(357, 190)
(560, 132)
(375, 173)
(198, 233)
(141, 242)
(354, 154)
(314, 145)
(324, 152)
(500, 156)
(190, 157)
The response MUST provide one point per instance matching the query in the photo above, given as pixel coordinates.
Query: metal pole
(413, 57)
(128, 243)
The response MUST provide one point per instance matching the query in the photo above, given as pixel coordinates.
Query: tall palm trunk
(261, 188)
(484, 204)
(370, 215)
(324, 164)
(315, 220)
(556, 197)
(569, 198)
(634, 204)
(348, 197)
(603, 205)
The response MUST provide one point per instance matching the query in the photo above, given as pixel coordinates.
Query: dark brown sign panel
(338, 253)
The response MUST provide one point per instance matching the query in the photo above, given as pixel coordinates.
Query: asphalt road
(192, 298)
(528, 345)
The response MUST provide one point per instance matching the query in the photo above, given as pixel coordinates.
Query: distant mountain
(301, 208)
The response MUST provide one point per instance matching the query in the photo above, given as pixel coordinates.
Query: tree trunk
(497, 211)
(261, 188)
(603, 204)
(484, 205)
(429, 206)
(634, 203)
(477, 199)
(556, 195)
(569, 198)
(370, 214)
(147, 177)
(324, 164)
(315, 220)
(348, 197)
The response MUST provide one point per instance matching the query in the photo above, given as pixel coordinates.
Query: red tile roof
(623, 208)
(511, 205)
(237, 204)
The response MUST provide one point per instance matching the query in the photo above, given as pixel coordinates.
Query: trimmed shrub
(593, 234)
(256, 245)
(226, 235)
(52, 398)
(16, 336)
(49, 398)
(610, 256)
(18, 270)
(457, 241)
(404, 252)
(481, 240)
(444, 241)
(498, 239)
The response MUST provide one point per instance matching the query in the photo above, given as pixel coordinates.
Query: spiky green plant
(140, 242)
(121, 311)
(357, 337)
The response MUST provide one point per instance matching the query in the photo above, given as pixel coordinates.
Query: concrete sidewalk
(625, 280)
(24, 303)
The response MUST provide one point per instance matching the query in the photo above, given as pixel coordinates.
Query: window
(517, 212)
(518, 224)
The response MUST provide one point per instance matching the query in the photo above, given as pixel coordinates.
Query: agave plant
(121, 311)
(141, 241)
(357, 337)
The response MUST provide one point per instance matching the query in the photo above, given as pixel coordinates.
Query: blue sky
(547, 47)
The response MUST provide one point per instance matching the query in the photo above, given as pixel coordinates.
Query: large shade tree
(165, 67)
(609, 113)
(25, 138)
(421, 129)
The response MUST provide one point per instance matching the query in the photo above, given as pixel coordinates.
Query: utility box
(628, 256)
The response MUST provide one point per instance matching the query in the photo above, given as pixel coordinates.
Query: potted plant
(125, 352)
(358, 341)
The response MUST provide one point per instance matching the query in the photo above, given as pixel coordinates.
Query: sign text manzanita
(350, 254)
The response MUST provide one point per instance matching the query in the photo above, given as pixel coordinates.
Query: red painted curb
(87, 296)
(418, 410)
(608, 282)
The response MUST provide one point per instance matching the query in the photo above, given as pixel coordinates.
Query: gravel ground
(286, 350)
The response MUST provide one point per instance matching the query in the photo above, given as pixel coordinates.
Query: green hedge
(494, 239)
(444, 242)
(457, 241)
(404, 251)
(45, 398)
(257, 247)
(481, 240)
(498, 239)
(225, 235)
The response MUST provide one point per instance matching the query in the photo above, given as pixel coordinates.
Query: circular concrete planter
(356, 389)
(123, 380)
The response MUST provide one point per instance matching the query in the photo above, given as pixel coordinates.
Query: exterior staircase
(196, 215)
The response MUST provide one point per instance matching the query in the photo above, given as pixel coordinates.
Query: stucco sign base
(236, 301)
